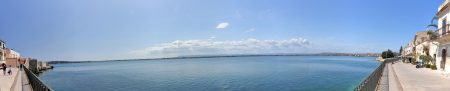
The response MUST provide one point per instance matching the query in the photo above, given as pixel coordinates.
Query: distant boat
(380, 59)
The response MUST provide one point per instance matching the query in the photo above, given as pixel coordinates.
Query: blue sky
(121, 29)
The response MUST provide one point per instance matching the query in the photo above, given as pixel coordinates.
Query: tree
(387, 54)
(427, 59)
(432, 35)
(401, 50)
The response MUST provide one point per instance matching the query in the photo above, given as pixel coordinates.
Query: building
(434, 42)
(12, 57)
(408, 50)
(10, 53)
(444, 39)
(421, 37)
(32, 65)
(422, 44)
(2, 53)
(39, 65)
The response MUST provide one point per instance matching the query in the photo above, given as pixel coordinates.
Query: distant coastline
(237, 55)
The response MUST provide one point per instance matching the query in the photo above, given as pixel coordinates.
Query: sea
(246, 73)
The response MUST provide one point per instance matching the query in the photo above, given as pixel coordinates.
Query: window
(444, 26)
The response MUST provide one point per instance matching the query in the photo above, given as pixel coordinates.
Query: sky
(90, 30)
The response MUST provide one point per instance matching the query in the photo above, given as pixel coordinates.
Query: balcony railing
(36, 83)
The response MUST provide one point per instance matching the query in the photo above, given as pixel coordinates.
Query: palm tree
(432, 23)
(431, 28)
(432, 35)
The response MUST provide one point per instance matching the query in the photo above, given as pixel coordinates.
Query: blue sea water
(257, 73)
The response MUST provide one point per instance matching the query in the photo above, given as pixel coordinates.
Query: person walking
(9, 70)
(4, 68)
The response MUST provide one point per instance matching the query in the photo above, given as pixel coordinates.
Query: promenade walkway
(389, 80)
(409, 78)
(17, 81)
(7, 82)
(22, 82)
(383, 84)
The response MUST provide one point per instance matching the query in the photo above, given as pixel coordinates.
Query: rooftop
(444, 5)
(421, 37)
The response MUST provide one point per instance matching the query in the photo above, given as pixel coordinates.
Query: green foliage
(401, 50)
(413, 61)
(433, 67)
(428, 65)
(387, 54)
(432, 35)
(426, 58)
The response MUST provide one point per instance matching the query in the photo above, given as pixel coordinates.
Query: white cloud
(212, 38)
(212, 47)
(222, 25)
(250, 30)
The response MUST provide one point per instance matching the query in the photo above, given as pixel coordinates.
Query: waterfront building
(443, 12)
(10, 53)
(12, 57)
(32, 64)
(433, 50)
(425, 45)
(22, 60)
(39, 65)
(2, 52)
(408, 50)
(444, 39)
(422, 45)
(44, 65)
(421, 37)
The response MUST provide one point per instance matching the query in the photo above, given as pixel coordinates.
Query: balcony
(439, 31)
(444, 39)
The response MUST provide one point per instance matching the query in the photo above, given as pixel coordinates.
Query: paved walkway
(383, 85)
(25, 84)
(389, 80)
(394, 82)
(423, 79)
(7, 81)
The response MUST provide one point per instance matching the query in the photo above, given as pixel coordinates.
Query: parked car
(419, 64)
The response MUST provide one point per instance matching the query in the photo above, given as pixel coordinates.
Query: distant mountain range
(236, 55)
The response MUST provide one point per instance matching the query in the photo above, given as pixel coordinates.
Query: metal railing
(35, 82)
(371, 82)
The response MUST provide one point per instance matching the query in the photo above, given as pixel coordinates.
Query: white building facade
(443, 44)
(2, 52)
(10, 53)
